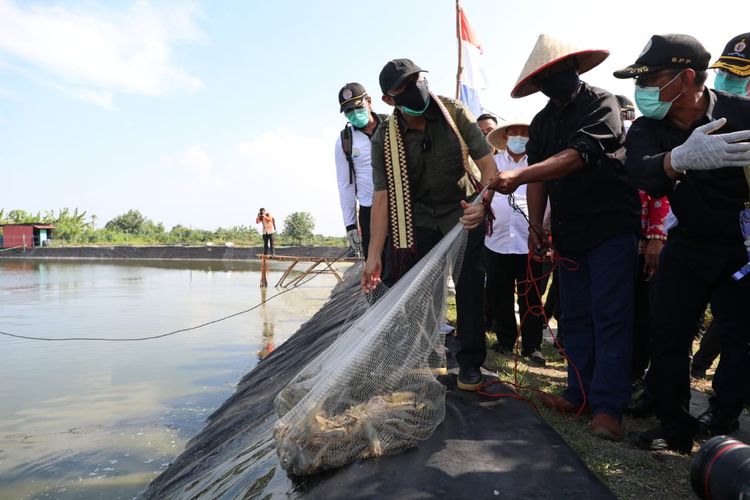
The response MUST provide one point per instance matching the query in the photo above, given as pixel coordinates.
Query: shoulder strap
(449, 110)
(346, 145)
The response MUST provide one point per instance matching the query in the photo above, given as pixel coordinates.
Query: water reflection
(266, 313)
(99, 420)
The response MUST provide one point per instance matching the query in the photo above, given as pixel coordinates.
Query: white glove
(702, 151)
(354, 240)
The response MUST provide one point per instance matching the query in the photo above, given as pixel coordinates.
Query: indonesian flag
(472, 81)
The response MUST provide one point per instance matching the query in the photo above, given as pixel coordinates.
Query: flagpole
(458, 35)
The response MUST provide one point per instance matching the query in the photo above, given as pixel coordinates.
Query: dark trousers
(597, 316)
(552, 308)
(709, 349)
(364, 227)
(507, 275)
(268, 241)
(690, 275)
(642, 325)
(469, 290)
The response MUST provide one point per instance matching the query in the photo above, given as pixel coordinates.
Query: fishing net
(374, 391)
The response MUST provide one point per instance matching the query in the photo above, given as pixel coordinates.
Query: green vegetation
(298, 227)
(76, 228)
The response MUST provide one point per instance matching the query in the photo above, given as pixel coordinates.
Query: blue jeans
(597, 317)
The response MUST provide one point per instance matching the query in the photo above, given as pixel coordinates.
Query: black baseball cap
(351, 95)
(668, 51)
(736, 56)
(395, 72)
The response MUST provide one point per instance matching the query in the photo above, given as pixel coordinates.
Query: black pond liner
(485, 448)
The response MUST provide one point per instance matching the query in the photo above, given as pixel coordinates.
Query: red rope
(532, 283)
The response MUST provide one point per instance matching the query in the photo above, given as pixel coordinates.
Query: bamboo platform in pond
(318, 265)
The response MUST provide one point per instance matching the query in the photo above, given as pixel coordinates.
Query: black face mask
(560, 86)
(414, 96)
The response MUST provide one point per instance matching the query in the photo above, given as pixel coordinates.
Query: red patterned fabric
(653, 213)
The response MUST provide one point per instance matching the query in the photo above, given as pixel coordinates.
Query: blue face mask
(358, 117)
(517, 144)
(727, 82)
(647, 100)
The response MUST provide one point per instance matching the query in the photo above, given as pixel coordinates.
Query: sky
(199, 113)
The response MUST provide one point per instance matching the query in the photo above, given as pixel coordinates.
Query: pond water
(83, 419)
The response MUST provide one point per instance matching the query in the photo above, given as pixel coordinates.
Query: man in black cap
(575, 155)
(353, 165)
(425, 190)
(674, 150)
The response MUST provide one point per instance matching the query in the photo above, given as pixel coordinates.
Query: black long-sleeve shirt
(596, 202)
(706, 203)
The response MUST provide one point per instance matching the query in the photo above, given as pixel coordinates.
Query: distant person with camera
(269, 230)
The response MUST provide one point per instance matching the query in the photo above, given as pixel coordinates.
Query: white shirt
(363, 176)
(510, 231)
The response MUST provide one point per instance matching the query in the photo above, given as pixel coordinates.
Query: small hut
(26, 235)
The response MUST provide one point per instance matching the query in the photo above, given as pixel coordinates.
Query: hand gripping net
(373, 391)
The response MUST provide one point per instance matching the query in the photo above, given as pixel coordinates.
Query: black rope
(517, 209)
(174, 332)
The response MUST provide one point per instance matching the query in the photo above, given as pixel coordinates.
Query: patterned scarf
(400, 206)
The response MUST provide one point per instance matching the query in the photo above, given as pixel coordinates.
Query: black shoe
(469, 378)
(643, 406)
(638, 385)
(662, 438)
(536, 358)
(697, 372)
(713, 422)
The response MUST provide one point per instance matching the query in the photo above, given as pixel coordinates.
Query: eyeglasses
(348, 111)
(650, 80)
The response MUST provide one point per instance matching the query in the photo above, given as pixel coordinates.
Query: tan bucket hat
(548, 52)
(497, 138)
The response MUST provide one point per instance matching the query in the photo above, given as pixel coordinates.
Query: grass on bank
(629, 472)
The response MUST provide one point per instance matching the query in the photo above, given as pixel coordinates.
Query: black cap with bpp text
(351, 95)
(672, 51)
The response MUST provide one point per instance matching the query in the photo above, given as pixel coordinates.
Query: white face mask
(517, 144)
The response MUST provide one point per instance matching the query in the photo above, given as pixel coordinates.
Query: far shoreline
(170, 252)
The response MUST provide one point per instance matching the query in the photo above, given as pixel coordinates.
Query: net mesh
(373, 392)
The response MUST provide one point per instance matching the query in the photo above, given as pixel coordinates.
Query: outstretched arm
(378, 232)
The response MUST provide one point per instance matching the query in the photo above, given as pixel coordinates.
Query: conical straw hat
(498, 139)
(549, 51)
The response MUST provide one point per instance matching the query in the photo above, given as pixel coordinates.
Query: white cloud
(95, 52)
(194, 160)
(101, 98)
(282, 170)
(298, 169)
(191, 176)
